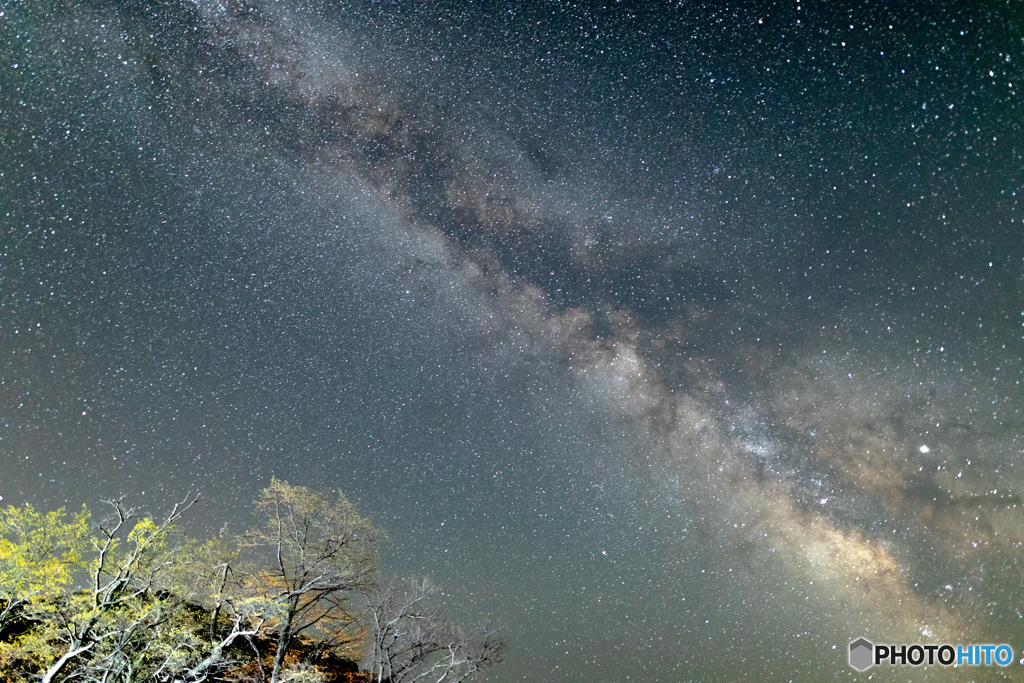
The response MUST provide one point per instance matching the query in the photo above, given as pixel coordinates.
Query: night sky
(683, 339)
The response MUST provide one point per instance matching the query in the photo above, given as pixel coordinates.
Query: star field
(650, 330)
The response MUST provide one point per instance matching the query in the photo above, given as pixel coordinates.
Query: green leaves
(133, 600)
(39, 555)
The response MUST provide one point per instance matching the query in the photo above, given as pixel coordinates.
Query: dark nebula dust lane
(683, 339)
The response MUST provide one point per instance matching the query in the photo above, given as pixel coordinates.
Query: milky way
(684, 341)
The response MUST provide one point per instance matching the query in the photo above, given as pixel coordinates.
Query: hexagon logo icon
(861, 654)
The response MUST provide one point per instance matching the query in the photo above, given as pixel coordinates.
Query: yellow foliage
(39, 553)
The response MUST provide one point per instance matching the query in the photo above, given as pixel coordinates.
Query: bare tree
(119, 606)
(232, 616)
(300, 589)
(411, 641)
(322, 550)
